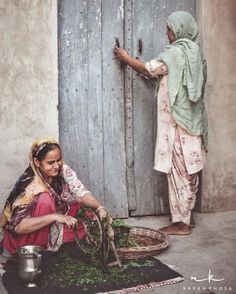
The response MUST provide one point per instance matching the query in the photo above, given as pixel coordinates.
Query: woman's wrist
(101, 207)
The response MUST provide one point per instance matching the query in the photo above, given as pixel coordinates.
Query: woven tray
(153, 242)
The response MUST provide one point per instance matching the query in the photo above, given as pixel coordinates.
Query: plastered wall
(28, 82)
(217, 20)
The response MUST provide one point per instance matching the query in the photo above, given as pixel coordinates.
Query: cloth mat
(135, 275)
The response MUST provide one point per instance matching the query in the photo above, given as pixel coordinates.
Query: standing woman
(181, 116)
(41, 207)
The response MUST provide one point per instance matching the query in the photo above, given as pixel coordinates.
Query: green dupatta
(186, 75)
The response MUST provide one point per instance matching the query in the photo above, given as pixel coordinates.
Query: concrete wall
(217, 19)
(28, 82)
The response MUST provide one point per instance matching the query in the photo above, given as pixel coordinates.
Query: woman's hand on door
(121, 54)
(136, 64)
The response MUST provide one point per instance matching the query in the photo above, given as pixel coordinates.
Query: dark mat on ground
(70, 271)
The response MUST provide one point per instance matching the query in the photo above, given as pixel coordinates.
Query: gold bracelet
(100, 207)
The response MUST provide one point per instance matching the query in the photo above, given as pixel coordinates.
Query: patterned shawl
(23, 197)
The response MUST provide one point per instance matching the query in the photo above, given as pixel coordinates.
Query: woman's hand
(102, 213)
(66, 219)
(32, 224)
(121, 54)
(90, 201)
(136, 64)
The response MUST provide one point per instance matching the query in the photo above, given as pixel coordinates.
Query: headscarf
(186, 74)
(23, 197)
(183, 25)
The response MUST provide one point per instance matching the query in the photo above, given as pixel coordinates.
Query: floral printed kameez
(178, 153)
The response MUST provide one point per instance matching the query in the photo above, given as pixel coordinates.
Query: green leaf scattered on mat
(68, 272)
(140, 264)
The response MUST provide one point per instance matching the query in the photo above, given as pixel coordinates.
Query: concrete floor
(211, 246)
(210, 251)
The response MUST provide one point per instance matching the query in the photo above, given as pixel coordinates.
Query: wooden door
(107, 113)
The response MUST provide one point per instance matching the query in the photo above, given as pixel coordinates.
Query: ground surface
(208, 254)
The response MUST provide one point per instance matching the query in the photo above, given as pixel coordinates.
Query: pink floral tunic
(72, 190)
(193, 151)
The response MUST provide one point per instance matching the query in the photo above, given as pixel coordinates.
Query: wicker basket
(153, 243)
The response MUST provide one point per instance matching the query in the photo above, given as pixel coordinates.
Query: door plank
(143, 105)
(73, 85)
(95, 102)
(113, 111)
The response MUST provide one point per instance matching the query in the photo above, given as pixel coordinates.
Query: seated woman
(41, 207)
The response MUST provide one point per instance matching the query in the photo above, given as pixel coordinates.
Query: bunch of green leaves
(119, 223)
(122, 239)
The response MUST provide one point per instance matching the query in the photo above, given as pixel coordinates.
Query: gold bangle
(100, 207)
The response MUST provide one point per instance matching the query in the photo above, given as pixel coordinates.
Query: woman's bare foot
(176, 229)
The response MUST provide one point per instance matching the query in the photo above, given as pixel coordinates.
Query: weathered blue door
(107, 112)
